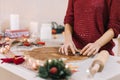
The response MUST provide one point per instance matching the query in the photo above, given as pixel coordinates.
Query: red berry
(53, 70)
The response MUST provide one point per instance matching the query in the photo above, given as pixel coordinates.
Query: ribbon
(16, 60)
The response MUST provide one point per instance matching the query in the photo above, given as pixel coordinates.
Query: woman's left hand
(90, 49)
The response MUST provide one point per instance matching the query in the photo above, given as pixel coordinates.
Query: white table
(110, 71)
(17, 72)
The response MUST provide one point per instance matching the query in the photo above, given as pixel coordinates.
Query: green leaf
(43, 72)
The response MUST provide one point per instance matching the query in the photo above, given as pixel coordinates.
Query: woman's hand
(90, 49)
(93, 48)
(68, 45)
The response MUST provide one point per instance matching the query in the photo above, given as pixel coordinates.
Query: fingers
(64, 49)
(76, 50)
(96, 51)
(84, 49)
(72, 49)
(89, 50)
(61, 49)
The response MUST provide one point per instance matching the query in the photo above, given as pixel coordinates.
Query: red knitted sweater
(91, 18)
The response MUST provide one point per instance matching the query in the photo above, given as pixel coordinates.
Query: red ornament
(26, 44)
(53, 70)
(53, 31)
(41, 43)
(7, 60)
(18, 60)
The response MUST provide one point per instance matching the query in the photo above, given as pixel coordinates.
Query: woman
(90, 25)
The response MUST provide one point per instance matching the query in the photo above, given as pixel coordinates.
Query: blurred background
(40, 11)
(34, 13)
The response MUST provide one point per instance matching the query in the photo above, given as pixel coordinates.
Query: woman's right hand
(68, 45)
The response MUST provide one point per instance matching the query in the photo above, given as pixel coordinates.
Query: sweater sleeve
(69, 17)
(114, 17)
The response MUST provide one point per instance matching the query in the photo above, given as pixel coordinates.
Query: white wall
(42, 11)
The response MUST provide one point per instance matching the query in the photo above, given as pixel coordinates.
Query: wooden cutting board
(46, 53)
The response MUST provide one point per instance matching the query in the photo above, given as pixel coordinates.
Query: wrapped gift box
(16, 33)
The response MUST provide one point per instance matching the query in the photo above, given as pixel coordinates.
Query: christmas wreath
(54, 70)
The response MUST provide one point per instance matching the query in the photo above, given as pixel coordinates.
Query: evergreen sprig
(54, 69)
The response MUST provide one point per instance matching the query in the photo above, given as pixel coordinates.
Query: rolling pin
(99, 62)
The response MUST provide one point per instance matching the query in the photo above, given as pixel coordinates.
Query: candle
(34, 27)
(3, 50)
(49, 60)
(34, 66)
(25, 57)
(25, 40)
(7, 39)
(37, 62)
(46, 31)
(14, 22)
(7, 47)
(66, 66)
(30, 61)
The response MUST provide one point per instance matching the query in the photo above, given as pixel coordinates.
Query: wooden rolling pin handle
(101, 65)
(100, 59)
(95, 69)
